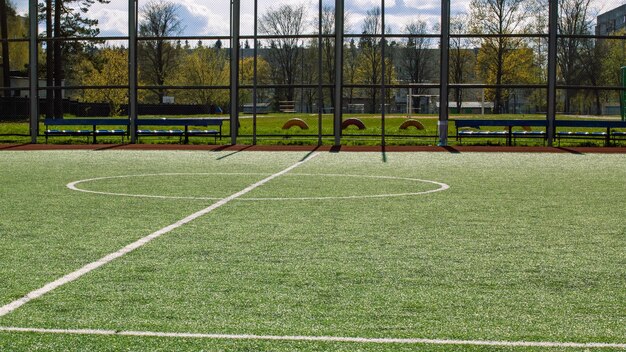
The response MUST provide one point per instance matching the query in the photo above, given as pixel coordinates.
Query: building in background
(611, 21)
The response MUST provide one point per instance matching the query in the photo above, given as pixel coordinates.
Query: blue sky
(203, 17)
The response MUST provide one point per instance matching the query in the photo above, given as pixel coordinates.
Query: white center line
(6, 309)
(542, 344)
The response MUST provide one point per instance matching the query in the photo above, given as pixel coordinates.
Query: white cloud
(398, 23)
(111, 21)
(214, 20)
(368, 4)
(213, 17)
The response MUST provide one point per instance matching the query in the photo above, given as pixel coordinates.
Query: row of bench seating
(145, 127)
(472, 128)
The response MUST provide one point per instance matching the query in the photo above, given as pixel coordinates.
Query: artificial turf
(520, 247)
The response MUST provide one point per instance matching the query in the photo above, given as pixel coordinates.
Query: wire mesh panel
(198, 58)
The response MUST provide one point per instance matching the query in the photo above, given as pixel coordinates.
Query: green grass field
(520, 247)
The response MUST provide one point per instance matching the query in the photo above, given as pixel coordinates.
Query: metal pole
(320, 92)
(49, 62)
(234, 70)
(338, 113)
(255, 73)
(622, 94)
(132, 69)
(553, 16)
(58, 61)
(33, 69)
(444, 73)
(409, 103)
(383, 91)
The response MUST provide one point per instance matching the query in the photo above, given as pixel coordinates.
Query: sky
(207, 18)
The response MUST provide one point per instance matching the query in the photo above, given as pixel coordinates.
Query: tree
(328, 45)
(371, 60)
(111, 70)
(283, 55)
(350, 67)
(246, 77)
(574, 19)
(518, 67)
(461, 57)
(4, 34)
(18, 53)
(159, 56)
(613, 57)
(414, 58)
(498, 17)
(203, 66)
(592, 56)
(69, 21)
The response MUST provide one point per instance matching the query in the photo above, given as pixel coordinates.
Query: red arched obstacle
(352, 122)
(295, 122)
(411, 123)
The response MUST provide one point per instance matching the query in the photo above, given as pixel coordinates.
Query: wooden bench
(287, 106)
(472, 128)
(76, 128)
(183, 132)
(607, 134)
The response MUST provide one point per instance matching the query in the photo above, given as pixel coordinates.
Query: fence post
(622, 95)
(33, 69)
(234, 71)
(553, 14)
(442, 124)
(132, 69)
(338, 113)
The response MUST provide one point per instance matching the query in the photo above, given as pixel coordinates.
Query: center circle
(293, 185)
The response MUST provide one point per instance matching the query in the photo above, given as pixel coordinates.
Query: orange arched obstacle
(352, 122)
(411, 123)
(296, 122)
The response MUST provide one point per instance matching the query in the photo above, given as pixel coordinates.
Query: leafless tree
(328, 45)
(159, 56)
(461, 56)
(414, 60)
(574, 19)
(371, 51)
(284, 53)
(499, 17)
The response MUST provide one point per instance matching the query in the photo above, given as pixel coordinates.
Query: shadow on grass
(229, 154)
(310, 153)
(571, 151)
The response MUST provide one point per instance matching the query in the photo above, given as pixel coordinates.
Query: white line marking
(74, 185)
(141, 242)
(319, 338)
(442, 187)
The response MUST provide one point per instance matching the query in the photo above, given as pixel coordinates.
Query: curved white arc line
(442, 187)
(391, 195)
(73, 187)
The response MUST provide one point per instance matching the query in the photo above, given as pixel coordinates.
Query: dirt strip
(304, 148)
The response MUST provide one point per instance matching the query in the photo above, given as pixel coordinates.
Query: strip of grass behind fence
(269, 131)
